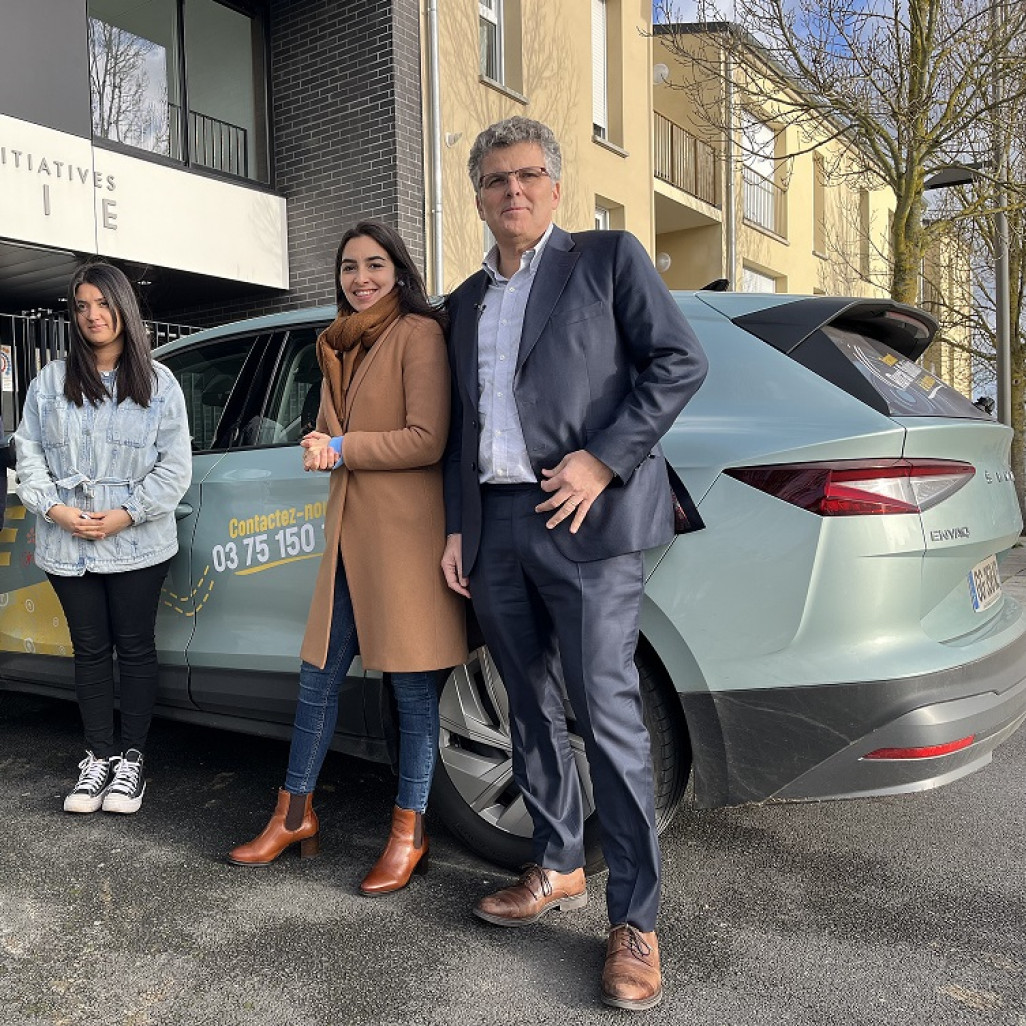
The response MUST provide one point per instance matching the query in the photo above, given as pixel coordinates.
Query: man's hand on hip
(576, 483)
(452, 565)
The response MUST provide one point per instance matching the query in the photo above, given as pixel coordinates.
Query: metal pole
(1003, 322)
(1002, 311)
(435, 148)
(729, 182)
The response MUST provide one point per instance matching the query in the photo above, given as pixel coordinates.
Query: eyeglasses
(526, 176)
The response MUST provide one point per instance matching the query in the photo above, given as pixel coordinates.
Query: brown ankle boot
(294, 822)
(404, 854)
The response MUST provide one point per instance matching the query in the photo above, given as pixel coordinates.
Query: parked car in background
(837, 630)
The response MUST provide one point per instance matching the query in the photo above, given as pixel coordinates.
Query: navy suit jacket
(606, 362)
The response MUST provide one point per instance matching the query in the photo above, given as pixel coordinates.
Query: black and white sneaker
(128, 787)
(94, 781)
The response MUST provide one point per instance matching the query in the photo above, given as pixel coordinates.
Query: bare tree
(904, 87)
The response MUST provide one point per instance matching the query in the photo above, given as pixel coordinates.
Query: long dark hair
(413, 297)
(135, 379)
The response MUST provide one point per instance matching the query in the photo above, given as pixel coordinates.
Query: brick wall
(346, 129)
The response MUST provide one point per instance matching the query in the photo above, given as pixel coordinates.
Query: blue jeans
(317, 711)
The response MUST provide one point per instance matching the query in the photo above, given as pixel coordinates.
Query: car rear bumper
(807, 743)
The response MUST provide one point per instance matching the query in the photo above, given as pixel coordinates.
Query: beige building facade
(581, 66)
(712, 188)
(636, 153)
(745, 193)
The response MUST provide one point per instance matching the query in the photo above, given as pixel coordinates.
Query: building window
(763, 197)
(607, 71)
(212, 115)
(757, 281)
(599, 70)
(227, 122)
(134, 59)
(490, 36)
(609, 215)
(818, 205)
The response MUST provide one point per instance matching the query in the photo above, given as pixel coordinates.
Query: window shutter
(755, 281)
(599, 75)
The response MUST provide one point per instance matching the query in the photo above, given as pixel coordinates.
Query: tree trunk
(908, 243)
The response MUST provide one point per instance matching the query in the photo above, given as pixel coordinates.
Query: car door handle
(183, 510)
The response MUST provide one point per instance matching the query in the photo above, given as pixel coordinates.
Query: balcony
(764, 204)
(216, 144)
(683, 161)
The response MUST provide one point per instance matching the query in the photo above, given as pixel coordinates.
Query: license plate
(984, 584)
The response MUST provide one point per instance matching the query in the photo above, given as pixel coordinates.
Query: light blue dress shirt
(502, 451)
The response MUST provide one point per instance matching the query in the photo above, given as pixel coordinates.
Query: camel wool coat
(385, 513)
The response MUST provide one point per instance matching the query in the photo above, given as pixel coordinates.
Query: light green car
(837, 629)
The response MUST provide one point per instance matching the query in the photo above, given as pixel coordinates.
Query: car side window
(207, 374)
(296, 392)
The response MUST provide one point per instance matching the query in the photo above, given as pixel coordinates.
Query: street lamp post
(965, 174)
(1002, 313)
(1002, 299)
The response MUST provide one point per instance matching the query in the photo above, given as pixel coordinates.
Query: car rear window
(871, 371)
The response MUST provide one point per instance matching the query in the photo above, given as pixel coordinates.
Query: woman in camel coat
(381, 429)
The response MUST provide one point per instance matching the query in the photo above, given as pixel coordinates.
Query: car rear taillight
(845, 488)
(924, 752)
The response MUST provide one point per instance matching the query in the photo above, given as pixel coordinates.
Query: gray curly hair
(508, 133)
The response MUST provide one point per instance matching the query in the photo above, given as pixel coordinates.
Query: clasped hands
(574, 483)
(94, 526)
(318, 453)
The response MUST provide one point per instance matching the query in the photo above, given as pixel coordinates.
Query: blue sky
(686, 10)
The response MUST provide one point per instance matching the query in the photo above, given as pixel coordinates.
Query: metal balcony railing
(764, 202)
(216, 144)
(684, 161)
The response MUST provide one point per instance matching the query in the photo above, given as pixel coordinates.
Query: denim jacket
(109, 456)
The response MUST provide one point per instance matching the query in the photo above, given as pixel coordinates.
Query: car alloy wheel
(474, 791)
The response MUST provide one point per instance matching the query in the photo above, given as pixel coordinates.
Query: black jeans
(107, 612)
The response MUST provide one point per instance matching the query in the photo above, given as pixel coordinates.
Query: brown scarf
(343, 344)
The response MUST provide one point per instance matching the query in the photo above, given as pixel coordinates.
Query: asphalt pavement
(879, 912)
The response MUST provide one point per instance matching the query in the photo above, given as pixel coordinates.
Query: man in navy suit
(570, 361)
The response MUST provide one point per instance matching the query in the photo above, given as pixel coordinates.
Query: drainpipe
(729, 219)
(437, 283)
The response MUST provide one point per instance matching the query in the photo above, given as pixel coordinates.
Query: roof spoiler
(906, 329)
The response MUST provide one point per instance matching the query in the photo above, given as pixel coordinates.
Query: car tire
(474, 792)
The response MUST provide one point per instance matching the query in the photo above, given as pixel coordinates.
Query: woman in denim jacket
(104, 457)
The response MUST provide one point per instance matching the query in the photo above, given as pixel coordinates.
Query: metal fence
(684, 160)
(26, 343)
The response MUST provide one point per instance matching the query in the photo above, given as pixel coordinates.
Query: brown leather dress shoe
(631, 977)
(532, 896)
